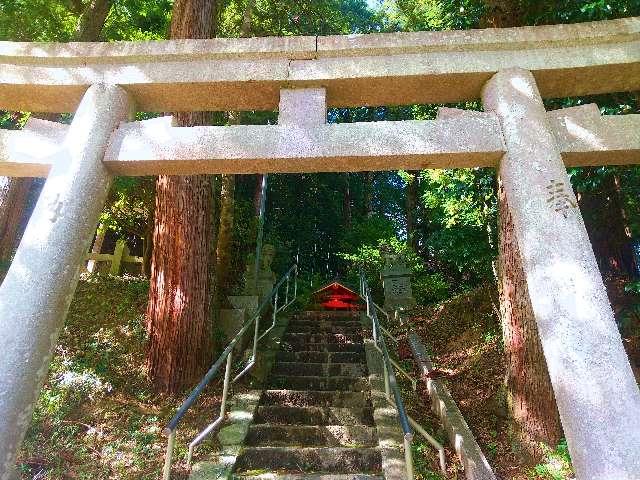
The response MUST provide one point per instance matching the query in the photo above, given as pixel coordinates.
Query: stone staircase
(315, 418)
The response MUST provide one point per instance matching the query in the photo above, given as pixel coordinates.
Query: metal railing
(227, 356)
(391, 384)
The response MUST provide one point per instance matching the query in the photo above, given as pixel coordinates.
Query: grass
(556, 466)
(97, 416)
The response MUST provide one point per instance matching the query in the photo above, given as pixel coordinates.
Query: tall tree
(346, 200)
(178, 320)
(224, 250)
(601, 204)
(411, 206)
(92, 21)
(532, 406)
(13, 196)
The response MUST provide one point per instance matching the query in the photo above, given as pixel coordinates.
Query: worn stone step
(341, 338)
(324, 324)
(315, 398)
(309, 476)
(311, 435)
(320, 369)
(321, 347)
(354, 384)
(321, 357)
(323, 328)
(324, 315)
(311, 459)
(313, 415)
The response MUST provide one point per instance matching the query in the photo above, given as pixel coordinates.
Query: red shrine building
(336, 297)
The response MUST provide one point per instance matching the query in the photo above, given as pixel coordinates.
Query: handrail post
(255, 338)
(225, 387)
(275, 308)
(387, 389)
(295, 282)
(166, 471)
(286, 299)
(408, 456)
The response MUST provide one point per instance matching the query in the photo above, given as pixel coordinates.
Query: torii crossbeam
(511, 70)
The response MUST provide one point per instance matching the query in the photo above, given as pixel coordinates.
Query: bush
(431, 288)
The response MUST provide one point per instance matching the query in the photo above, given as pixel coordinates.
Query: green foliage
(430, 288)
(557, 464)
(130, 206)
(38, 20)
(136, 20)
(458, 226)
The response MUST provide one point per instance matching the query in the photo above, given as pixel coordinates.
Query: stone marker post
(396, 280)
(598, 398)
(37, 291)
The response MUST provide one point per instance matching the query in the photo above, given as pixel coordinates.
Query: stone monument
(266, 278)
(396, 280)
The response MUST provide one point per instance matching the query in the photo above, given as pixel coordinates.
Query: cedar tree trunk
(532, 407)
(178, 321)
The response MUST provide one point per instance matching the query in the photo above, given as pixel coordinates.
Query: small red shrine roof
(336, 296)
(336, 287)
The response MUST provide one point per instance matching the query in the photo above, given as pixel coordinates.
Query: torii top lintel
(356, 70)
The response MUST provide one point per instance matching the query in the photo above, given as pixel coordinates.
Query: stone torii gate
(511, 70)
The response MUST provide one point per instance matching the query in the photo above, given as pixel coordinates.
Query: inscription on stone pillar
(396, 280)
(558, 196)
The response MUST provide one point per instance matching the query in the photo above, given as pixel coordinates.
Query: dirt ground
(464, 338)
(97, 416)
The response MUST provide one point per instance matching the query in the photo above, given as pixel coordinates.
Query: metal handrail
(227, 354)
(391, 385)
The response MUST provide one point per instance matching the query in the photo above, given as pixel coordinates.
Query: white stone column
(37, 291)
(598, 398)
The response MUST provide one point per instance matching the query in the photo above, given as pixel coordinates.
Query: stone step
(296, 338)
(353, 384)
(310, 476)
(287, 415)
(324, 328)
(321, 357)
(324, 324)
(322, 347)
(324, 315)
(311, 436)
(320, 369)
(312, 459)
(315, 398)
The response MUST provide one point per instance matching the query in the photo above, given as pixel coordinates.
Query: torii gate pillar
(37, 291)
(597, 396)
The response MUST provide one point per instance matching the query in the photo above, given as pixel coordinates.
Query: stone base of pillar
(230, 321)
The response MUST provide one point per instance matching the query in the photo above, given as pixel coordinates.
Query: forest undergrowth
(97, 416)
(463, 337)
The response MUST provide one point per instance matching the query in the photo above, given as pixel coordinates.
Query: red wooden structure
(337, 297)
